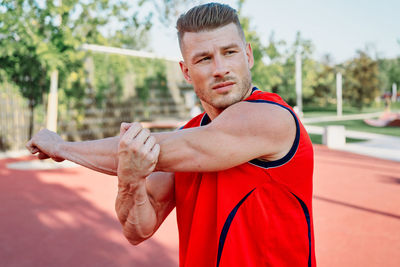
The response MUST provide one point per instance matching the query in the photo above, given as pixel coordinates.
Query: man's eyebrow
(232, 45)
(206, 53)
(200, 54)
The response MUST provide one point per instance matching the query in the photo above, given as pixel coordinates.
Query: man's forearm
(99, 155)
(135, 212)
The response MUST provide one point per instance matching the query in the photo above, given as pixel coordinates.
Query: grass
(360, 125)
(317, 111)
(355, 125)
(317, 139)
(311, 112)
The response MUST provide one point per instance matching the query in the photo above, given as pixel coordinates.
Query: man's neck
(213, 112)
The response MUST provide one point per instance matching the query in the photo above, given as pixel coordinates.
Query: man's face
(217, 63)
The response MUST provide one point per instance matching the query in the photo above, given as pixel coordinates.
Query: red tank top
(255, 214)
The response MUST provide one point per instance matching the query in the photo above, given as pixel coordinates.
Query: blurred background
(113, 61)
(81, 67)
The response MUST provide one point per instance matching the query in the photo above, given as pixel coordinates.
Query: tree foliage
(389, 73)
(37, 37)
(278, 75)
(274, 70)
(361, 85)
(323, 89)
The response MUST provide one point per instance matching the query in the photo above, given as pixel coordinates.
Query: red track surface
(66, 217)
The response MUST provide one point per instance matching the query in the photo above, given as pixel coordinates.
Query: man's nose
(220, 67)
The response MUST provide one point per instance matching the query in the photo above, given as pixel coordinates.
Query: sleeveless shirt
(256, 214)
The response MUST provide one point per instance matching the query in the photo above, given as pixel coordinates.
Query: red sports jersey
(254, 214)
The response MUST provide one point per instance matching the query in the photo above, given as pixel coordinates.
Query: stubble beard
(224, 101)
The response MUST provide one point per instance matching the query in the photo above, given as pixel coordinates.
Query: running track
(66, 218)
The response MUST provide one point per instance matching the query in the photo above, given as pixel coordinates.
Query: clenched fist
(45, 143)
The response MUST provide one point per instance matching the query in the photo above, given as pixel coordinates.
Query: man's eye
(229, 52)
(204, 59)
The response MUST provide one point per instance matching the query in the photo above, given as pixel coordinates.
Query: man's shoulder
(263, 96)
(196, 121)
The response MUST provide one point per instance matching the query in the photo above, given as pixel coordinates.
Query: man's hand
(137, 153)
(45, 143)
(137, 159)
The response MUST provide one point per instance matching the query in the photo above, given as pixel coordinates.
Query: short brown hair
(207, 17)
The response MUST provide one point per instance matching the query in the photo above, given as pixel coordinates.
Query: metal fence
(89, 122)
(14, 120)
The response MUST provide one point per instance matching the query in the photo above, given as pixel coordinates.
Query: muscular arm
(99, 155)
(141, 209)
(144, 198)
(242, 132)
(217, 146)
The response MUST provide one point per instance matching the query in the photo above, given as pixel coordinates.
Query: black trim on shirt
(307, 214)
(227, 225)
(253, 90)
(206, 119)
(293, 149)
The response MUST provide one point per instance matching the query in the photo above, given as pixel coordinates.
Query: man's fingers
(58, 159)
(31, 147)
(149, 143)
(131, 133)
(141, 138)
(43, 156)
(155, 152)
(124, 127)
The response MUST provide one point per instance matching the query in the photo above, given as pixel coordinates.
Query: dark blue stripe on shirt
(288, 156)
(307, 214)
(205, 120)
(226, 226)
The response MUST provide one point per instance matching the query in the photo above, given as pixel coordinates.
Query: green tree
(273, 72)
(37, 37)
(361, 80)
(389, 73)
(306, 49)
(259, 50)
(323, 91)
(277, 75)
(281, 70)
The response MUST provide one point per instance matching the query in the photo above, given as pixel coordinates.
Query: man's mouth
(223, 84)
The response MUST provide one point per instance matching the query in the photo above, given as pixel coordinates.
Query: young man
(239, 175)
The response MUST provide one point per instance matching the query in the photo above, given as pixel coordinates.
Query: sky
(335, 27)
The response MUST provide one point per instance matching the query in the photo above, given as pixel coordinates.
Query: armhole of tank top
(204, 121)
(285, 159)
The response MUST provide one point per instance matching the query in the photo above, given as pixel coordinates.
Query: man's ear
(185, 71)
(250, 57)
